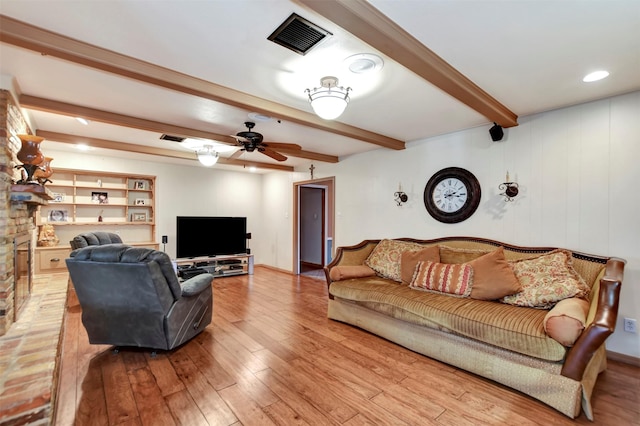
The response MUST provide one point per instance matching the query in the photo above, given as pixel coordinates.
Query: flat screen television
(210, 236)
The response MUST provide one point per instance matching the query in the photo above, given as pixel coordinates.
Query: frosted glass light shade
(330, 100)
(207, 156)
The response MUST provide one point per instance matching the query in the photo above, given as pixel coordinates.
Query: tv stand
(219, 266)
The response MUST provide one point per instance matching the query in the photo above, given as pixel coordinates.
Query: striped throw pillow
(452, 279)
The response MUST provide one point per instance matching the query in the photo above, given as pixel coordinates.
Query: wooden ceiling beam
(30, 37)
(151, 150)
(92, 114)
(364, 21)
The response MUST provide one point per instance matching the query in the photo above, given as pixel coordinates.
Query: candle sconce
(400, 197)
(509, 189)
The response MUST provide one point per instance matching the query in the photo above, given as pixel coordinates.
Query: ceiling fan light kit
(329, 100)
(207, 156)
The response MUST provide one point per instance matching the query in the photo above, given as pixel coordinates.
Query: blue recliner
(131, 296)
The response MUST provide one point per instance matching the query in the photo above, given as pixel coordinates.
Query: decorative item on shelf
(100, 216)
(329, 100)
(400, 196)
(141, 202)
(58, 197)
(138, 217)
(43, 172)
(31, 157)
(100, 197)
(47, 236)
(139, 184)
(510, 189)
(58, 215)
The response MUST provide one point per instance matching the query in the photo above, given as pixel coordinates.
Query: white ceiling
(528, 55)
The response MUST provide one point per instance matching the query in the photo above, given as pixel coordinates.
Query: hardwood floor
(272, 357)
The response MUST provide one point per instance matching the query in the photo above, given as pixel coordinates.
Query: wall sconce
(400, 197)
(510, 189)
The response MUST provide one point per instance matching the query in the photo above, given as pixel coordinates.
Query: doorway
(314, 219)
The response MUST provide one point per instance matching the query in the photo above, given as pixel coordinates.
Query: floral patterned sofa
(532, 318)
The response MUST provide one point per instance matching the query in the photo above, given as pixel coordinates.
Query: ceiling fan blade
(281, 145)
(240, 138)
(275, 155)
(236, 154)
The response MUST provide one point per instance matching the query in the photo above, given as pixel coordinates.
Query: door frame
(329, 185)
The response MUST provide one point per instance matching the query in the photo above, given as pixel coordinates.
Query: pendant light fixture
(329, 100)
(207, 156)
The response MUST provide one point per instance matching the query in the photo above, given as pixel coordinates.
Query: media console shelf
(220, 266)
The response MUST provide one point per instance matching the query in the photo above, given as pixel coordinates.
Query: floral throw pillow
(452, 279)
(546, 280)
(385, 257)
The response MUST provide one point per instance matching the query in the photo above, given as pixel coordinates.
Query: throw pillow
(459, 255)
(385, 257)
(455, 280)
(493, 278)
(346, 272)
(565, 322)
(546, 280)
(409, 260)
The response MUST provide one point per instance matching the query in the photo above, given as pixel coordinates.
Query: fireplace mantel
(31, 194)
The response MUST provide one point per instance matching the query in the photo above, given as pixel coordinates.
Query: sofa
(532, 318)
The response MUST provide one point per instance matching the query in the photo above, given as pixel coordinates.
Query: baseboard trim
(626, 359)
(273, 268)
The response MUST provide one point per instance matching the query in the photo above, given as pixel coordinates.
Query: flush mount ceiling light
(207, 156)
(329, 100)
(82, 121)
(595, 76)
(364, 63)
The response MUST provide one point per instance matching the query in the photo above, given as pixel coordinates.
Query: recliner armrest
(196, 285)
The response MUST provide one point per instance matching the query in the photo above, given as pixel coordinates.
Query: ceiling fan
(252, 141)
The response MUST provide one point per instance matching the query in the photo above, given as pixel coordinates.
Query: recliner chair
(130, 296)
(94, 239)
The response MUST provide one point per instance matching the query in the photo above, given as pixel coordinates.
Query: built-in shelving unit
(85, 201)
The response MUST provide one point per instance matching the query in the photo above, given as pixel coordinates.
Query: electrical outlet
(630, 325)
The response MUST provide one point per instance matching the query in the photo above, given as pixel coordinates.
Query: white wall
(578, 170)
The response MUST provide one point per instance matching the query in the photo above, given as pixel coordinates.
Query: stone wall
(16, 218)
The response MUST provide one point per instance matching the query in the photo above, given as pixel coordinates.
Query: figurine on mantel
(48, 237)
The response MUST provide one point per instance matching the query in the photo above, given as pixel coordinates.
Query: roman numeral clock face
(452, 195)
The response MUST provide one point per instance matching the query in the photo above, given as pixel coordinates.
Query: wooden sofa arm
(350, 255)
(603, 324)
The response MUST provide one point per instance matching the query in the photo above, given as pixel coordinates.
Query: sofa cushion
(447, 278)
(546, 280)
(385, 257)
(493, 277)
(346, 272)
(460, 255)
(505, 326)
(409, 260)
(565, 322)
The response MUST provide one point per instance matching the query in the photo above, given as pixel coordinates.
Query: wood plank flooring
(271, 357)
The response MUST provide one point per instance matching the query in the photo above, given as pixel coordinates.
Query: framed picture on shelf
(139, 184)
(141, 202)
(138, 217)
(58, 197)
(100, 197)
(58, 216)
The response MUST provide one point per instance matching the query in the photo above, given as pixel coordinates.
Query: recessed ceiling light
(83, 147)
(82, 121)
(256, 116)
(363, 63)
(595, 76)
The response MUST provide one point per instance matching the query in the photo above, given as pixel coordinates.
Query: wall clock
(452, 195)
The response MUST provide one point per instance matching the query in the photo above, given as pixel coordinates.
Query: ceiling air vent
(172, 138)
(298, 34)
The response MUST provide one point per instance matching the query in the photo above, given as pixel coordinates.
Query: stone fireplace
(17, 216)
